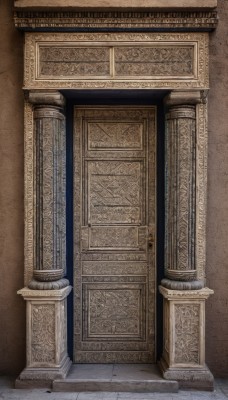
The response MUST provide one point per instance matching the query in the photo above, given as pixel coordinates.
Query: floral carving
(187, 322)
(154, 61)
(73, 61)
(43, 333)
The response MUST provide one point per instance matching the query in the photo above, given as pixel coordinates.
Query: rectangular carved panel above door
(114, 208)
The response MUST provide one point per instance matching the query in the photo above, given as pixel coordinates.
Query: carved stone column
(46, 297)
(50, 235)
(180, 194)
(184, 296)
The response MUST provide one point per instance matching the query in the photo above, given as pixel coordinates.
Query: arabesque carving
(187, 333)
(58, 61)
(164, 61)
(43, 338)
(114, 313)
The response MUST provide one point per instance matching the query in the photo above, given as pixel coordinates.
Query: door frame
(186, 106)
(77, 200)
(125, 99)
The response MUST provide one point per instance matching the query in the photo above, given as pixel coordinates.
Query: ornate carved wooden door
(114, 206)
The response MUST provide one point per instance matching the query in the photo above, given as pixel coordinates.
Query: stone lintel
(46, 97)
(187, 97)
(201, 294)
(116, 4)
(30, 294)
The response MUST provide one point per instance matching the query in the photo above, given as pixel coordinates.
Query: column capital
(185, 97)
(47, 97)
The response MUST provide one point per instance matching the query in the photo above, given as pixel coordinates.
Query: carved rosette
(50, 235)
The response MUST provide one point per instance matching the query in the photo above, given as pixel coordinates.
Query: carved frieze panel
(116, 60)
(71, 61)
(154, 61)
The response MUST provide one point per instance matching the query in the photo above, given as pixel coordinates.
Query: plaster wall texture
(12, 307)
(217, 213)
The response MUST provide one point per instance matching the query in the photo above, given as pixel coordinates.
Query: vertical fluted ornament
(50, 247)
(180, 193)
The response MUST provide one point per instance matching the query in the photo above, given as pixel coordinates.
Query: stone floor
(7, 392)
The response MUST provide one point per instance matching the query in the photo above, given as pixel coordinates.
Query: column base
(47, 357)
(188, 377)
(183, 357)
(42, 377)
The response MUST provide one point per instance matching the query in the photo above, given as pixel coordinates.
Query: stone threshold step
(115, 378)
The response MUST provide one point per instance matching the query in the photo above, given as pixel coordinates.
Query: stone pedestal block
(47, 357)
(183, 356)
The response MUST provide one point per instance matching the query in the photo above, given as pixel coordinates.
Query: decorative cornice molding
(74, 21)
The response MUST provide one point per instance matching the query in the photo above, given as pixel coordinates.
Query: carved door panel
(114, 234)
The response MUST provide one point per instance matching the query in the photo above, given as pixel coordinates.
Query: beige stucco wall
(217, 226)
(12, 307)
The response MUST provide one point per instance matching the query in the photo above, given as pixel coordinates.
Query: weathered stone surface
(183, 356)
(141, 378)
(47, 357)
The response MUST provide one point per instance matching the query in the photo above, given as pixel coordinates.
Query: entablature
(153, 15)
